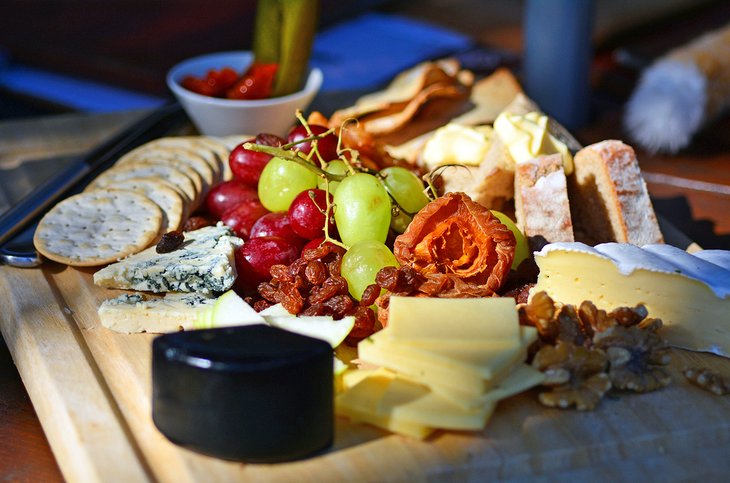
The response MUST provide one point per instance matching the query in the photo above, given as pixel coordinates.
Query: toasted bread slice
(608, 197)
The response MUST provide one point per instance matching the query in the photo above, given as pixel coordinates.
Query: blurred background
(96, 56)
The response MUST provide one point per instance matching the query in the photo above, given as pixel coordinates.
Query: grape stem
(294, 156)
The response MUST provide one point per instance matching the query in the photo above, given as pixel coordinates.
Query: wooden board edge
(88, 439)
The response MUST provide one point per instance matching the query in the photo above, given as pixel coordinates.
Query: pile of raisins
(312, 285)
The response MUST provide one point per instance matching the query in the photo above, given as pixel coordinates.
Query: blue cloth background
(370, 50)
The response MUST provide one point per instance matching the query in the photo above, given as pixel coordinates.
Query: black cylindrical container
(253, 393)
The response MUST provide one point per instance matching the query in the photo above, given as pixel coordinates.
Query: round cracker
(98, 227)
(172, 174)
(174, 156)
(210, 152)
(159, 191)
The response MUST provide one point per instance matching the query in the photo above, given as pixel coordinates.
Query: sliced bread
(542, 209)
(608, 197)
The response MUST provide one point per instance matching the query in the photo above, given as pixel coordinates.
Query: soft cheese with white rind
(132, 313)
(688, 292)
(205, 264)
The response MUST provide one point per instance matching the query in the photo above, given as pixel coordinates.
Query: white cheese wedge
(204, 264)
(142, 313)
(689, 292)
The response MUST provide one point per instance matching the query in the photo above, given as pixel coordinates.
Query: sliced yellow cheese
(689, 292)
(360, 403)
(461, 367)
(480, 361)
(416, 404)
(520, 379)
(411, 318)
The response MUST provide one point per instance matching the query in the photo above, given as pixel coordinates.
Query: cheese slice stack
(443, 363)
(689, 292)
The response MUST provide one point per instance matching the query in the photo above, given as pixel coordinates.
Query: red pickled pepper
(256, 83)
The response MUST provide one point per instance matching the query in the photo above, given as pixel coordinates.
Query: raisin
(170, 242)
(316, 272)
(364, 326)
(369, 295)
(197, 222)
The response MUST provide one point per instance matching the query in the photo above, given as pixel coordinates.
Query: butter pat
(527, 137)
(689, 292)
(457, 144)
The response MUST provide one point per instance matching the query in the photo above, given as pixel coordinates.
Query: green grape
(405, 187)
(336, 166)
(362, 209)
(400, 222)
(362, 262)
(522, 250)
(281, 181)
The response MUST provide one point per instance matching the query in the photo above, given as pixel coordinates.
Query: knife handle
(74, 178)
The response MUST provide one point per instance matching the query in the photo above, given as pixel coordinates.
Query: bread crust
(609, 198)
(542, 209)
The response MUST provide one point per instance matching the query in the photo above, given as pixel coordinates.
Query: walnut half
(576, 374)
(708, 380)
(637, 356)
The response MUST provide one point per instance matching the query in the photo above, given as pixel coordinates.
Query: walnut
(637, 356)
(576, 375)
(595, 320)
(708, 380)
(539, 313)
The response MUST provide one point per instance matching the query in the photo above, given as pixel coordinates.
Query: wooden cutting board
(91, 389)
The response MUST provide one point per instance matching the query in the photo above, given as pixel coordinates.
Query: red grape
(256, 257)
(276, 224)
(226, 195)
(312, 244)
(306, 214)
(242, 217)
(247, 165)
(326, 146)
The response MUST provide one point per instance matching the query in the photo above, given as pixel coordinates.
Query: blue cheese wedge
(689, 292)
(132, 313)
(204, 264)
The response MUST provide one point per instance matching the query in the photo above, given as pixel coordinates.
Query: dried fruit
(312, 285)
(708, 380)
(458, 246)
(170, 241)
(575, 374)
(637, 357)
(197, 222)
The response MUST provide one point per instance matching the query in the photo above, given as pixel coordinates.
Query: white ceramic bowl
(221, 117)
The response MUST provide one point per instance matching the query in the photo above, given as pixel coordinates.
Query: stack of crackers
(150, 191)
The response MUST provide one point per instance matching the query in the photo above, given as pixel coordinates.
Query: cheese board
(91, 388)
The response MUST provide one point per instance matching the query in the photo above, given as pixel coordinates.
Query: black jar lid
(252, 393)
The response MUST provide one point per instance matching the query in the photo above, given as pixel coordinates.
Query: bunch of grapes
(290, 195)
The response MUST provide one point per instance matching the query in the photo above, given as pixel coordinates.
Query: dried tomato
(459, 246)
(256, 83)
(214, 84)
